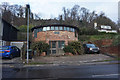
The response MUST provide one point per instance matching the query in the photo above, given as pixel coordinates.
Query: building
(104, 28)
(56, 36)
(7, 33)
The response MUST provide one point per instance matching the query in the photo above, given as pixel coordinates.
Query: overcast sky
(52, 8)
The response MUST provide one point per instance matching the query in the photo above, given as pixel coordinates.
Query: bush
(74, 47)
(68, 49)
(40, 47)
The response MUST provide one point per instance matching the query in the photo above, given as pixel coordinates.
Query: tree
(23, 28)
(103, 20)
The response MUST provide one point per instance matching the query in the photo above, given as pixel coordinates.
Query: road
(87, 69)
(57, 72)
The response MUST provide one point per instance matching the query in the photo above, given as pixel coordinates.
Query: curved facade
(56, 36)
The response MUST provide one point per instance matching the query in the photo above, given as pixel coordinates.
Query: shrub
(40, 47)
(68, 49)
(74, 47)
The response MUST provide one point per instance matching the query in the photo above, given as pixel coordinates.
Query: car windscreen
(90, 45)
(4, 48)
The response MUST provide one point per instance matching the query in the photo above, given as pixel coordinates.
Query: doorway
(56, 47)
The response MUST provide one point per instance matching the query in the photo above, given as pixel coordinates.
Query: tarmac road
(106, 71)
(14, 69)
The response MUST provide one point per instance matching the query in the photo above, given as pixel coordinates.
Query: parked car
(9, 52)
(91, 48)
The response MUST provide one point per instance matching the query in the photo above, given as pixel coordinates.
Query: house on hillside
(8, 33)
(56, 35)
(104, 28)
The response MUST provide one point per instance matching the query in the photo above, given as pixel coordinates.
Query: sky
(52, 8)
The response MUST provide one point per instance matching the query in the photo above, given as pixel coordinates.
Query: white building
(105, 28)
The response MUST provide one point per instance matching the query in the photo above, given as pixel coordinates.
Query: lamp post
(28, 8)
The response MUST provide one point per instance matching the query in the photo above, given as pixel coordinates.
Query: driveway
(61, 60)
(72, 60)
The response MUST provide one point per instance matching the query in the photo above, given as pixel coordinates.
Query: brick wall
(104, 42)
(112, 50)
(51, 36)
(107, 47)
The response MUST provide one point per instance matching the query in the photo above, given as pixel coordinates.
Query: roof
(59, 25)
(10, 24)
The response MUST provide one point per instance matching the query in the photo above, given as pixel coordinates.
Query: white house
(105, 28)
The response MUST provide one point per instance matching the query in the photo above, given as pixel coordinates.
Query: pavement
(72, 60)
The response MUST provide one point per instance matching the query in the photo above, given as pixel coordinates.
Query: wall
(51, 36)
(107, 47)
(9, 32)
(104, 42)
(112, 50)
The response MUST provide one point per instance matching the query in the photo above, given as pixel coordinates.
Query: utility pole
(28, 9)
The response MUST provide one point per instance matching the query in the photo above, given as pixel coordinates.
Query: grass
(115, 37)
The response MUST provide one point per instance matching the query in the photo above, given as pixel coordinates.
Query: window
(56, 28)
(60, 28)
(53, 44)
(61, 44)
(40, 29)
(54, 51)
(44, 28)
(56, 33)
(67, 28)
(35, 33)
(52, 27)
(48, 28)
(71, 29)
(4, 48)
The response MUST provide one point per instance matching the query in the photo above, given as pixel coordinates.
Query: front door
(56, 47)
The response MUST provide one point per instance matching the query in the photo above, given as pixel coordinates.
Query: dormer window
(67, 28)
(44, 28)
(48, 28)
(60, 28)
(56, 28)
(52, 27)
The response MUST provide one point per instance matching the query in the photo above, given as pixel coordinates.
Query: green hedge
(74, 47)
(40, 47)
